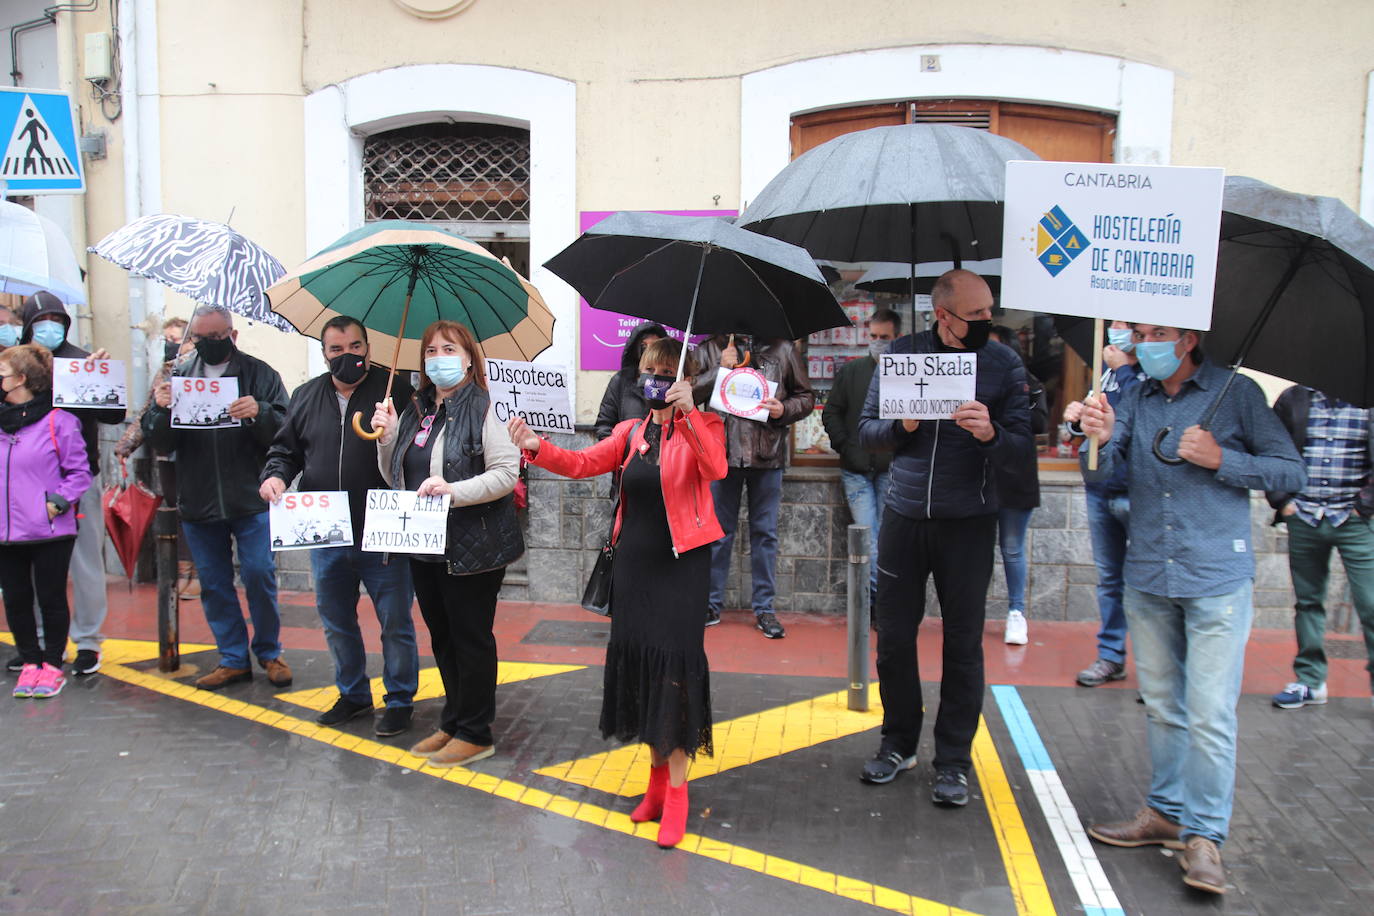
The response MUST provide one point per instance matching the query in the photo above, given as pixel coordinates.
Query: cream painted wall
(1257, 91)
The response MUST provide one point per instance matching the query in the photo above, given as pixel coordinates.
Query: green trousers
(1309, 560)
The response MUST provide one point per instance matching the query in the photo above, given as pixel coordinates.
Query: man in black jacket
(941, 519)
(47, 324)
(316, 442)
(217, 496)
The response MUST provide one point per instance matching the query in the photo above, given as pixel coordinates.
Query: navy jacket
(941, 470)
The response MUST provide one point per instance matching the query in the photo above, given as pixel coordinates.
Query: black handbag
(596, 597)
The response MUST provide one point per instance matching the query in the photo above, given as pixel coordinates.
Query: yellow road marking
(1028, 887)
(431, 687)
(739, 742)
(618, 822)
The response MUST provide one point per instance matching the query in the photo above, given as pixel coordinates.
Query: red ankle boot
(674, 823)
(651, 808)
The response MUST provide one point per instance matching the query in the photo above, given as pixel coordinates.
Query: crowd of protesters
(1171, 539)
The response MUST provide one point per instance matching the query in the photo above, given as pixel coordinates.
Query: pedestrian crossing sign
(38, 128)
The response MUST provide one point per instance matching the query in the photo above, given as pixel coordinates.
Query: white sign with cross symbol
(536, 393)
(925, 386)
(403, 521)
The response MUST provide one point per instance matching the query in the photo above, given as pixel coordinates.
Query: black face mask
(170, 349)
(215, 351)
(977, 333)
(348, 368)
(655, 389)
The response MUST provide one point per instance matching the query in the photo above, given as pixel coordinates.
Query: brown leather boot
(223, 677)
(1201, 864)
(1147, 828)
(188, 586)
(431, 745)
(278, 672)
(460, 753)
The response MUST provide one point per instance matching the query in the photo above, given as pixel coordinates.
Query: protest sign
(305, 521)
(402, 521)
(1128, 242)
(925, 386)
(536, 393)
(203, 403)
(741, 391)
(83, 383)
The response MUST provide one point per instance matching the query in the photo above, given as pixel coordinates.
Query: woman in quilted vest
(657, 687)
(448, 442)
(45, 474)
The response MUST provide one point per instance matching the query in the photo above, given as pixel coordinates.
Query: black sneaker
(768, 625)
(87, 662)
(394, 720)
(712, 617)
(342, 711)
(15, 664)
(885, 766)
(951, 788)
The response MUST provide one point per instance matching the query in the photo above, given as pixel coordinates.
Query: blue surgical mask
(445, 371)
(1158, 359)
(1121, 338)
(9, 335)
(49, 334)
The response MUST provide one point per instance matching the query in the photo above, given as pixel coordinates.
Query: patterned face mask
(422, 436)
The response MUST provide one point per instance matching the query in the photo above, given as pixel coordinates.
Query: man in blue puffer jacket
(941, 519)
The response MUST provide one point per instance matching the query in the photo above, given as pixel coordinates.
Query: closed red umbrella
(129, 509)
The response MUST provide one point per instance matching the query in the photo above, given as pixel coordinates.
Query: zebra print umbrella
(207, 261)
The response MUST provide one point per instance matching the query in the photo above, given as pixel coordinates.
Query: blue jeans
(1108, 517)
(1189, 655)
(337, 572)
(866, 492)
(765, 495)
(1011, 538)
(214, 556)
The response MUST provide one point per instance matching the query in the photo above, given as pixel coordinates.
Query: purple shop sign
(603, 334)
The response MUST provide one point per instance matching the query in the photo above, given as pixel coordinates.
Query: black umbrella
(701, 274)
(919, 279)
(913, 193)
(1294, 294)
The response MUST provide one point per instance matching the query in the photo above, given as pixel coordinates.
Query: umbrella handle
(371, 436)
(747, 356)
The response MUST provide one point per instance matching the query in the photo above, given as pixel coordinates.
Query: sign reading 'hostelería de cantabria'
(1129, 242)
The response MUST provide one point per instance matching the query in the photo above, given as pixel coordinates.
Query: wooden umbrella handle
(391, 376)
(371, 436)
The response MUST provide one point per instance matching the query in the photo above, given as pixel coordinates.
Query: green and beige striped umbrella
(397, 277)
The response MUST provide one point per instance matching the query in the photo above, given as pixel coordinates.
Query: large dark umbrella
(1294, 294)
(919, 279)
(912, 193)
(702, 274)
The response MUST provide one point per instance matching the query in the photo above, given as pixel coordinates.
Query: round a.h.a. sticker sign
(740, 391)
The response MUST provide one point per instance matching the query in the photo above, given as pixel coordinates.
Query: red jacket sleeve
(601, 458)
(706, 434)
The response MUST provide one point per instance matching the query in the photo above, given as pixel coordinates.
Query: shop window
(473, 179)
(1051, 132)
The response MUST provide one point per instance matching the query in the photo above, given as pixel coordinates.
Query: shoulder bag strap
(619, 472)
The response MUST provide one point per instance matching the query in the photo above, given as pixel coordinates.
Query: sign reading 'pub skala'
(1128, 242)
(925, 386)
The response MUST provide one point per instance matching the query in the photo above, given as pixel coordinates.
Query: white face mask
(877, 348)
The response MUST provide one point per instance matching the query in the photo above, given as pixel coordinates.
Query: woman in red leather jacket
(657, 686)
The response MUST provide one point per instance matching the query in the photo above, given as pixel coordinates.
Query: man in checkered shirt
(1333, 510)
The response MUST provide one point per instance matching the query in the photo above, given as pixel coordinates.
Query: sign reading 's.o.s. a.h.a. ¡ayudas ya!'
(1127, 242)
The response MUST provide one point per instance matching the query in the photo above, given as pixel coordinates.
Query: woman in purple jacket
(45, 473)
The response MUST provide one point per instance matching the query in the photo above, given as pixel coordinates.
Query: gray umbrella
(911, 193)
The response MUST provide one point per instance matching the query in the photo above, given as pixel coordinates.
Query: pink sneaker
(28, 677)
(49, 683)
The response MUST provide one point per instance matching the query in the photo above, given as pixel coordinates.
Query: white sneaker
(1016, 629)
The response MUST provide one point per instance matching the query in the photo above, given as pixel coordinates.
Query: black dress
(657, 686)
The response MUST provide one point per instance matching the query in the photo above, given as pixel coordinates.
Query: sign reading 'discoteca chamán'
(1128, 242)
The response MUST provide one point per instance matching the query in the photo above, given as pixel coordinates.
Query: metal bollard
(168, 620)
(859, 573)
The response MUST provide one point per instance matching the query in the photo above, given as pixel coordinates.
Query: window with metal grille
(458, 173)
